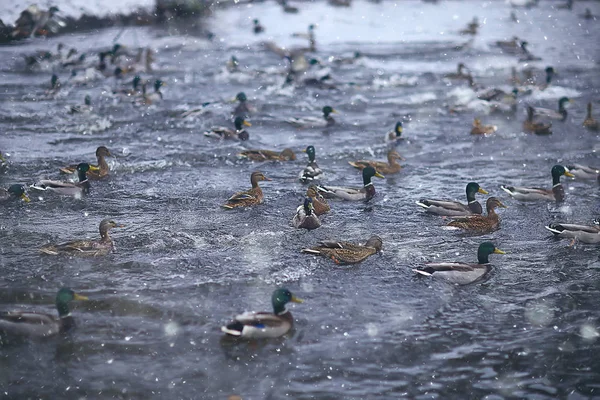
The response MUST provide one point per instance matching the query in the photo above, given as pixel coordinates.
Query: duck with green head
(262, 325)
(366, 193)
(154, 97)
(584, 172)
(462, 273)
(305, 216)
(395, 135)
(33, 324)
(221, 132)
(557, 193)
(243, 108)
(314, 122)
(250, 197)
(480, 223)
(455, 208)
(14, 192)
(96, 171)
(560, 115)
(312, 171)
(68, 188)
(86, 247)
(346, 252)
(84, 108)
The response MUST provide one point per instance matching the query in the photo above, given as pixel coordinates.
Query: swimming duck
(584, 172)
(346, 252)
(560, 115)
(471, 28)
(460, 72)
(233, 64)
(257, 28)
(151, 98)
(312, 171)
(68, 188)
(310, 35)
(287, 8)
(395, 134)
(221, 132)
(96, 171)
(557, 193)
(14, 192)
(589, 122)
(583, 233)
(539, 128)
(305, 216)
(261, 325)
(480, 129)
(366, 193)
(320, 204)
(459, 272)
(268, 155)
(250, 197)
(588, 14)
(391, 167)
(528, 56)
(314, 122)
(34, 324)
(86, 248)
(243, 109)
(454, 208)
(509, 45)
(481, 223)
(568, 5)
(85, 108)
(133, 91)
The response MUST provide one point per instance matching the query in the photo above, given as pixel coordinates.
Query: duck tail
(311, 251)
(234, 328)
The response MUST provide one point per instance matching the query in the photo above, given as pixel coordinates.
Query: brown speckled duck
(391, 167)
(250, 197)
(480, 129)
(589, 122)
(539, 128)
(268, 155)
(481, 223)
(319, 202)
(86, 248)
(346, 252)
(96, 171)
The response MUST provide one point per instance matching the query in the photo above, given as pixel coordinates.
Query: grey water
(183, 266)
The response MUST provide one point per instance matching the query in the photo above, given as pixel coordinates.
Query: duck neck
(556, 180)
(279, 309)
(491, 212)
(254, 182)
(82, 175)
(589, 111)
(63, 309)
(369, 188)
(470, 196)
(105, 237)
(482, 257)
(392, 160)
(102, 164)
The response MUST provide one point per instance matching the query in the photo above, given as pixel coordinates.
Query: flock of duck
(117, 62)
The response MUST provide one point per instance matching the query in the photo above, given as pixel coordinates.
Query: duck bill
(246, 123)
(296, 300)
(333, 111)
(570, 175)
(79, 297)
(94, 168)
(121, 226)
(482, 191)
(502, 205)
(377, 174)
(2, 158)
(267, 179)
(25, 198)
(498, 251)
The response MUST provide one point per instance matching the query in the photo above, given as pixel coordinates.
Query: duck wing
(444, 207)
(344, 193)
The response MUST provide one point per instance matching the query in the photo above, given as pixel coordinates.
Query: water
(183, 266)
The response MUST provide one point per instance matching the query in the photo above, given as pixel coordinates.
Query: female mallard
(86, 248)
(243, 108)
(346, 252)
(460, 73)
(250, 197)
(557, 193)
(480, 129)
(539, 128)
(589, 122)
(14, 192)
(312, 171)
(367, 192)
(583, 233)
(314, 122)
(391, 167)
(454, 208)
(459, 272)
(305, 216)
(584, 172)
(395, 134)
(480, 223)
(68, 188)
(221, 132)
(320, 204)
(268, 155)
(560, 115)
(33, 324)
(260, 325)
(96, 171)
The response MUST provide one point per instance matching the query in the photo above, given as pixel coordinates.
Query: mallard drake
(481, 223)
(314, 122)
(460, 72)
(250, 197)
(260, 325)
(584, 172)
(539, 128)
(305, 216)
(395, 134)
(268, 155)
(480, 129)
(366, 193)
(86, 248)
(391, 167)
(320, 204)
(454, 208)
(346, 252)
(68, 188)
(85, 108)
(96, 171)
(221, 132)
(583, 233)
(560, 115)
(243, 108)
(14, 192)
(459, 272)
(33, 324)
(312, 171)
(133, 91)
(557, 193)
(589, 122)
(257, 28)
(151, 98)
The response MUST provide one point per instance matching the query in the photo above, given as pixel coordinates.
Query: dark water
(183, 266)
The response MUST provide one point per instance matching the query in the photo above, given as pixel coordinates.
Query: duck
(96, 171)
(250, 197)
(509, 45)
(288, 8)
(133, 91)
(480, 129)
(460, 73)
(389, 168)
(557, 193)
(310, 35)
(396, 134)
(233, 64)
(268, 155)
(561, 115)
(584, 172)
(257, 28)
(481, 223)
(84, 108)
(263, 325)
(14, 192)
(566, 6)
(68, 188)
(366, 193)
(243, 108)
(528, 56)
(588, 15)
(312, 171)
(539, 128)
(583, 233)
(151, 98)
(221, 132)
(305, 216)
(86, 248)
(320, 205)
(454, 208)
(462, 273)
(589, 122)
(346, 252)
(314, 122)
(471, 28)
(39, 325)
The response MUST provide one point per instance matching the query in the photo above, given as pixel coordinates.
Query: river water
(183, 266)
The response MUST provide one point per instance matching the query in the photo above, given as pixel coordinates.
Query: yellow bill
(482, 191)
(79, 297)
(498, 251)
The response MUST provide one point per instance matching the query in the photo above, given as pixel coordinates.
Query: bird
(34, 324)
(454, 208)
(14, 192)
(268, 155)
(346, 252)
(391, 167)
(539, 128)
(462, 273)
(319, 203)
(261, 325)
(86, 247)
(151, 98)
(258, 28)
(590, 122)
(84, 108)
(557, 193)
(480, 223)
(366, 193)
(528, 56)
(243, 108)
(314, 122)
(480, 129)
(96, 171)
(287, 8)
(584, 172)
(460, 72)
(583, 233)
(68, 188)
(471, 28)
(588, 15)
(250, 197)
(305, 216)
(221, 132)
(312, 171)
(561, 114)
(395, 134)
